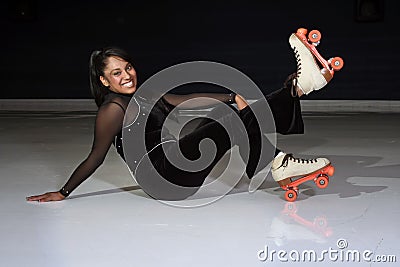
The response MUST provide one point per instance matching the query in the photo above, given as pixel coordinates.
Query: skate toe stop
(330, 170)
(302, 31)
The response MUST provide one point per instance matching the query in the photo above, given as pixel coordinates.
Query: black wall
(45, 49)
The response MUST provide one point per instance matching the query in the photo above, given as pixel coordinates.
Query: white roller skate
(285, 167)
(313, 71)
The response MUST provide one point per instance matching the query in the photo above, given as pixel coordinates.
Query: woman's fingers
(49, 196)
(35, 198)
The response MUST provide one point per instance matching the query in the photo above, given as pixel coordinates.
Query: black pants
(286, 112)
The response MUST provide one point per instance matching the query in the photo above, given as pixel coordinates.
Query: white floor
(110, 221)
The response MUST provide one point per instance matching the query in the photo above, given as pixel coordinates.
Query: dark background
(46, 44)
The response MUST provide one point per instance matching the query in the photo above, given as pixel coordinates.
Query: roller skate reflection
(291, 226)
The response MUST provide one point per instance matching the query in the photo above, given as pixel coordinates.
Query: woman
(113, 82)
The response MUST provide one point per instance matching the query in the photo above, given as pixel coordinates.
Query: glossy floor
(110, 221)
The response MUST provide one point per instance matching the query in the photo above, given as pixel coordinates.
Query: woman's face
(120, 76)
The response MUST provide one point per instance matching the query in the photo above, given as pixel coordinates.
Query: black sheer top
(109, 123)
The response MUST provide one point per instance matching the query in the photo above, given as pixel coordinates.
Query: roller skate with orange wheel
(290, 172)
(313, 71)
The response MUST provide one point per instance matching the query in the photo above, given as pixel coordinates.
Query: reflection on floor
(110, 221)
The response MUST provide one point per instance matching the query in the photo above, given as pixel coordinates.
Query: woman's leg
(189, 146)
(285, 106)
(251, 144)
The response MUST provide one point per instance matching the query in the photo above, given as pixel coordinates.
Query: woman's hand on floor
(46, 197)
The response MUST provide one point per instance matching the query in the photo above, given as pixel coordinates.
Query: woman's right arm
(109, 122)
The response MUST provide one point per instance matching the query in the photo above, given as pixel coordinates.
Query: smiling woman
(111, 69)
(119, 76)
(113, 84)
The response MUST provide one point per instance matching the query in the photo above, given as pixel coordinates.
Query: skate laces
(296, 75)
(290, 157)
(298, 60)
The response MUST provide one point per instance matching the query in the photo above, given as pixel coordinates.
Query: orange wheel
(302, 31)
(322, 181)
(314, 36)
(336, 63)
(290, 195)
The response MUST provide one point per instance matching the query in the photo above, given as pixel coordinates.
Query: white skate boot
(313, 71)
(285, 168)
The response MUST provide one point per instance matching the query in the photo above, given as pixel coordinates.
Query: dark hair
(97, 64)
